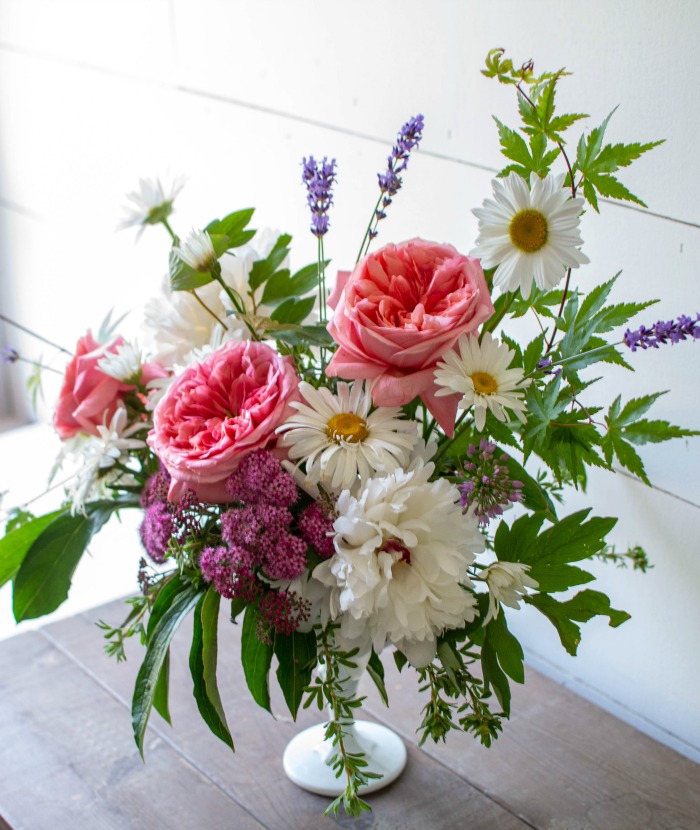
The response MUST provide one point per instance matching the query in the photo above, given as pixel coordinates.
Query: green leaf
(232, 224)
(296, 655)
(293, 311)
(535, 497)
(185, 278)
(400, 659)
(533, 354)
(375, 669)
(203, 659)
(506, 647)
(14, 546)
(256, 658)
(313, 335)
(582, 607)
(158, 645)
(263, 269)
(654, 432)
(494, 676)
(162, 691)
(44, 577)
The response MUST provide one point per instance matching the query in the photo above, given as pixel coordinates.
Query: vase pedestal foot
(305, 757)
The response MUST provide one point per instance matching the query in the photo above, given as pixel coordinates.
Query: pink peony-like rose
(218, 411)
(398, 313)
(88, 396)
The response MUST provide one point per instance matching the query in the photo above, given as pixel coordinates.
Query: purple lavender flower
(488, 487)
(9, 355)
(319, 178)
(390, 182)
(662, 332)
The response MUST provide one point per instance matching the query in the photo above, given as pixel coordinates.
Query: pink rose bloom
(88, 397)
(398, 313)
(218, 411)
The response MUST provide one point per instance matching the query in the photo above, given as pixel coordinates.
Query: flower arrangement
(336, 462)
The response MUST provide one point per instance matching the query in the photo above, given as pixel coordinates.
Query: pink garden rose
(398, 313)
(218, 411)
(88, 396)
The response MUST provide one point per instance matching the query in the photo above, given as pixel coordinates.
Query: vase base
(304, 759)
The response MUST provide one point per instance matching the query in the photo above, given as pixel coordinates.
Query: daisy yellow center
(346, 426)
(528, 231)
(484, 383)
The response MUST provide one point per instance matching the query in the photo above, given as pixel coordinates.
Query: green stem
(34, 334)
(491, 324)
(366, 238)
(207, 309)
(566, 360)
(173, 235)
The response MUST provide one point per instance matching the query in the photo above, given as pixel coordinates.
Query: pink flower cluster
(164, 520)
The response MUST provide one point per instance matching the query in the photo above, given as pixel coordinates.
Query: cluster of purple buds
(9, 355)
(319, 178)
(165, 522)
(544, 366)
(662, 332)
(488, 487)
(390, 182)
(316, 528)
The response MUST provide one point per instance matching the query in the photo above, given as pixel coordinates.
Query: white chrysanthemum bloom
(508, 583)
(124, 364)
(178, 325)
(480, 373)
(337, 438)
(529, 232)
(197, 251)
(151, 203)
(99, 453)
(399, 571)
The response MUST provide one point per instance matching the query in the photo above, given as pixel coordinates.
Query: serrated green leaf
(654, 432)
(158, 646)
(15, 544)
(533, 354)
(203, 661)
(632, 409)
(256, 658)
(296, 654)
(535, 497)
(612, 188)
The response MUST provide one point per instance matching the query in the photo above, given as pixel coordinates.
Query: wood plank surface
(561, 764)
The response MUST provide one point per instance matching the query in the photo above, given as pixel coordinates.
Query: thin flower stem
(366, 239)
(561, 308)
(236, 303)
(172, 233)
(207, 309)
(333, 700)
(496, 319)
(40, 365)
(49, 490)
(34, 334)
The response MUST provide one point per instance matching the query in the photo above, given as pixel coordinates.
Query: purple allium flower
(9, 355)
(662, 332)
(314, 526)
(487, 487)
(319, 178)
(390, 182)
(261, 478)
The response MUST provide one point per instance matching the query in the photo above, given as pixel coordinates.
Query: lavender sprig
(662, 332)
(319, 178)
(9, 355)
(390, 181)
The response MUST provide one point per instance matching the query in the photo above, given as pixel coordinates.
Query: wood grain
(561, 764)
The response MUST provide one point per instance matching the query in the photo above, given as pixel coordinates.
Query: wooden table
(67, 758)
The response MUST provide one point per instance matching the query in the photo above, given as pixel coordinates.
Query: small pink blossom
(398, 313)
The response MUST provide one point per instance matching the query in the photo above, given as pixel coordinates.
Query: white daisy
(99, 453)
(480, 373)
(151, 203)
(197, 251)
(529, 232)
(124, 364)
(399, 572)
(337, 438)
(507, 582)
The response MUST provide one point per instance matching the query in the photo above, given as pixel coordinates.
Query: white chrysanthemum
(151, 203)
(508, 583)
(124, 364)
(480, 373)
(197, 251)
(399, 572)
(181, 329)
(99, 453)
(337, 438)
(529, 232)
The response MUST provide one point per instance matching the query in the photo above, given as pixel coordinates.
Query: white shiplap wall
(96, 93)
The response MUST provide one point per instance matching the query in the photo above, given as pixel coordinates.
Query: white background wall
(97, 93)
